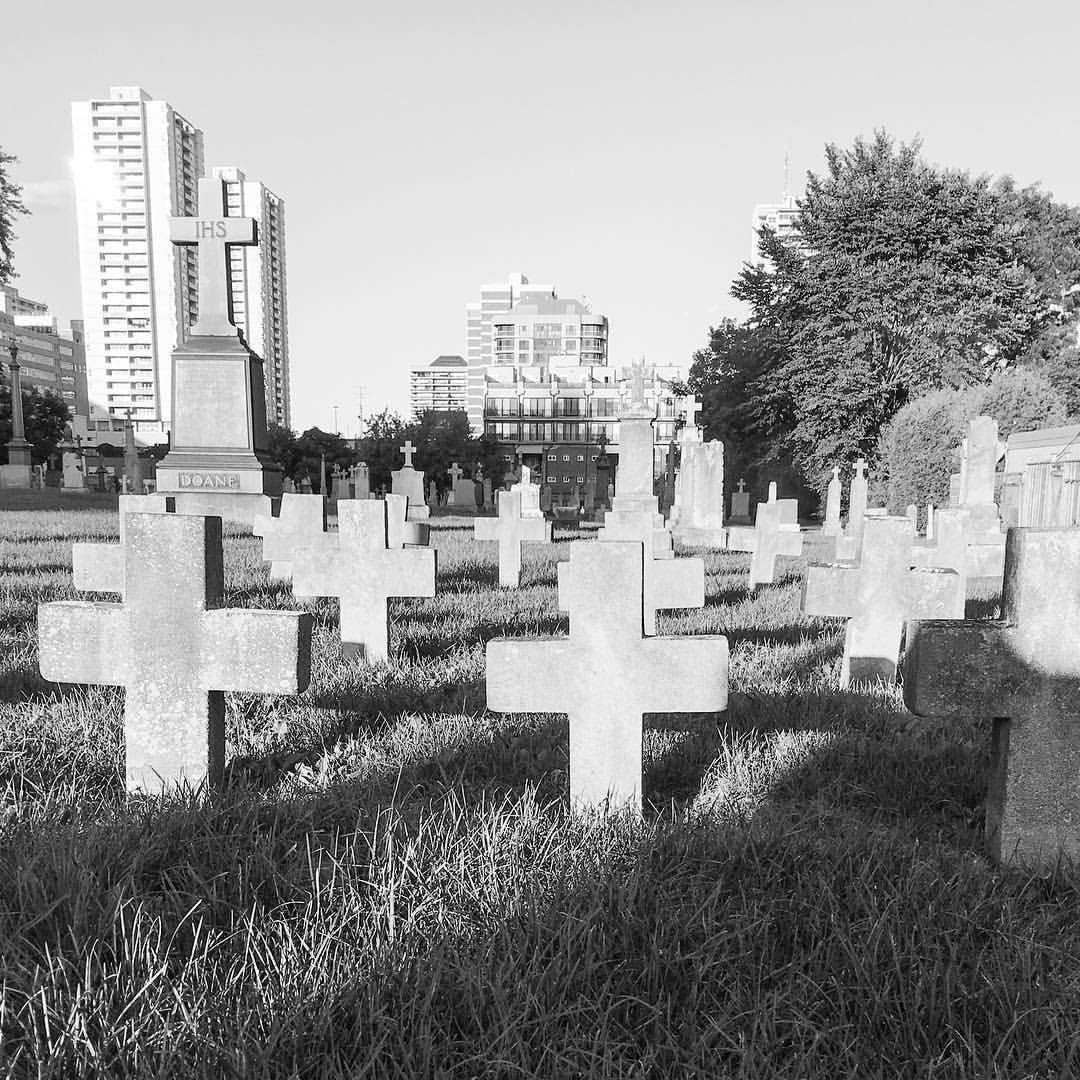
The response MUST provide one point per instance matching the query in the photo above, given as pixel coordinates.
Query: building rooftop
(448, 360)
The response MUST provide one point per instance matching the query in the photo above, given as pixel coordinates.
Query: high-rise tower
(257, 281)
(137, 164)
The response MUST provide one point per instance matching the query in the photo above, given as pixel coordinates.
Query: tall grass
(390, 885)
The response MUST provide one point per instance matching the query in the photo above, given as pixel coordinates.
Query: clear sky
(613, 148)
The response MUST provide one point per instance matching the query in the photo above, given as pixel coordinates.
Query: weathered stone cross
(667, 582)
(605, 676)
(1023, 673)
(300, 522)
(363, 572)
(408, 450)
(511, 530)
(456, 472)
(100, 567)
(175, 649)
(213, 232)
(878, 595)
(775, 532)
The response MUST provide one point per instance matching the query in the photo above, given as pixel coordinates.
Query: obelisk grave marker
(218, 463)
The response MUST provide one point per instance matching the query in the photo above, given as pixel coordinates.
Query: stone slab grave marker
(219, 462)
(1023, 674)
(878, 595)
(400, 532)
(175, 648)
(100, 567)
(775, 532)
(510, 530)
(831, 525)
(410, 483)
(361, 484)
(740, 505)
(300, 522)
(363, 572)
(530, 494)
(634, 476)
(667, 582)
(697, 515)
(606, 675)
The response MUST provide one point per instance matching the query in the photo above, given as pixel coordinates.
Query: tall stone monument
(697, 518)
(218, 463)
(16, 473)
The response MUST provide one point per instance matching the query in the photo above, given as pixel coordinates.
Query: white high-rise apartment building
(257, 277)
(480, 350)
(137, 164)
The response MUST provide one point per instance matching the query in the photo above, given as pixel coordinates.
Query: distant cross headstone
(878, 595)
(213, 232)
(775, 532)
(606, 675)
(408, 450)
(740, 505)
(511, 531)
(363, 571)
(300, 523)
(175, 648)
(668, 582)
(456, 472)
(1023, 674)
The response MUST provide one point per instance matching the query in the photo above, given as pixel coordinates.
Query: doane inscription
(210, 480)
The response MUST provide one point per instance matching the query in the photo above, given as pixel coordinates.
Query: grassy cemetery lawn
(390, 885)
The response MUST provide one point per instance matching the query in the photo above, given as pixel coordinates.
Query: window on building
(553, 457)
(552, 479)
(581, 479)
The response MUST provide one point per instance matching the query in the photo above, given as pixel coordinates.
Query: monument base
(15, 476)
(691, 536)
(419, 512)
(242, 506)
(741, 538)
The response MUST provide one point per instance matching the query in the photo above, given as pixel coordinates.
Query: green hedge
(919, 447)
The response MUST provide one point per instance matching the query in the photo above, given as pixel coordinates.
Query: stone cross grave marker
(667, 582)
(606, 675)
(878, 595)
(175, 648)
(1023, 674)
(408, 450)
(775, 532)
(213, 233)
(511, 531)
(363, 572)
(100, 567)
(300, 522)
(456, 472)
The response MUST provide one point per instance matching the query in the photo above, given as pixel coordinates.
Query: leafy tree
(281, 446)
(10, 206)
(725, 375)
(311, 446)
(1019, 399)
(441, 439)
(379, 447)
(45, 416)
(907, 278)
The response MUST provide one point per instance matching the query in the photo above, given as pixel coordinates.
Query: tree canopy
(10, 207)
(45, 415)
(905, 277)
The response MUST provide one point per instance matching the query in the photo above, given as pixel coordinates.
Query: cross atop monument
(455, 472)
(213, 232)
(408, 450)
(637, 383)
